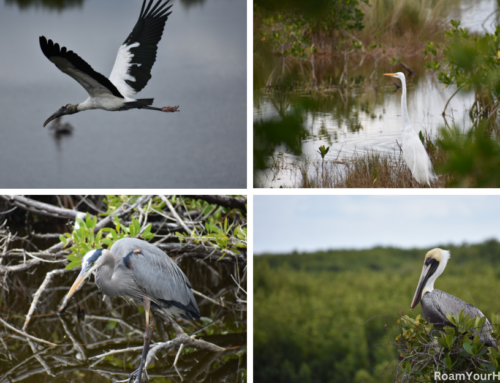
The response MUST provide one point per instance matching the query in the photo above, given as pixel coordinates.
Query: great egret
(414, 152)
(436, 303)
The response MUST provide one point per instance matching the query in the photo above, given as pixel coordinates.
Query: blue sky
(285, 223)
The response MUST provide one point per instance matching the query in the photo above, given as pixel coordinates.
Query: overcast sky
(285, 223)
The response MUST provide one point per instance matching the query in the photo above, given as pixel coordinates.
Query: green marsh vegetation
(333, 315)
(324, 64)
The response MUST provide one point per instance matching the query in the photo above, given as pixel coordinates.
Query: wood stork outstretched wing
(132, 69)
(73, 65)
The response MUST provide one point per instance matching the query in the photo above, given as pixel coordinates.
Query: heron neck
(404, 108)
(104, 274)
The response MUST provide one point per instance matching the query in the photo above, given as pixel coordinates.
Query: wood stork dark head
(65, 109)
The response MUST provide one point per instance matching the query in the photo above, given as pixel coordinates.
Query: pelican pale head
(434, 264)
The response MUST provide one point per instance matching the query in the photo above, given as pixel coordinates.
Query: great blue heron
(436, 303)
(143, 274)
(414, 152)
(130, 74)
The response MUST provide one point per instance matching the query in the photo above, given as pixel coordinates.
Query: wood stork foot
(171, 109)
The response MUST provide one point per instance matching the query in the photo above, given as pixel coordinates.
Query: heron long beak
(53, 117)
(428, 269)
(390, 74)
(77, 285)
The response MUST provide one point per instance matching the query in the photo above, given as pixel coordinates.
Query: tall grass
(411, 20)
(363, 170)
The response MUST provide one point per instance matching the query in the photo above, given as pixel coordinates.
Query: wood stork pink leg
(171, 109)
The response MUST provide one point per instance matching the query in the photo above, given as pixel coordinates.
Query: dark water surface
(201, 66)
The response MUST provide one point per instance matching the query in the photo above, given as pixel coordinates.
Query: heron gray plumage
(436, 303)
(143, 274)
(131, 71)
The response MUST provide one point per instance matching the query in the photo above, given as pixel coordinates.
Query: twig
(36, 296)
(25, 334)
(174, 213)
(222, 200)
(44, 260)
(447, 102)
(113, 352)
(178, 353)
(118, 320)
(41, 207)
(207, 298)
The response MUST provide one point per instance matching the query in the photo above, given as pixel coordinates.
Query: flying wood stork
(436, 303)
(130, 74)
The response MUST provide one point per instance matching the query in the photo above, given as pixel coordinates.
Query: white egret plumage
(131, 71)
(436, 303)
(414, 152)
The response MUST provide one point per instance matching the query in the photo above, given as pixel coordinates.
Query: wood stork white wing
(130, 74)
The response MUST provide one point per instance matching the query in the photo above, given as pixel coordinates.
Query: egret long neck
(404, 108)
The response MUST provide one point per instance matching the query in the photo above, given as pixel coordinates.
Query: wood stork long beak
(77, 285)
(57, 114)
(390, 74)
(430, 267)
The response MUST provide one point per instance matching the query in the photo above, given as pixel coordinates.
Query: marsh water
(365, 118)
(200, 66)
(92, 326)
(293, 119)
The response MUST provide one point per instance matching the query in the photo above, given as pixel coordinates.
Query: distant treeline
(378, 258)
(332, 315)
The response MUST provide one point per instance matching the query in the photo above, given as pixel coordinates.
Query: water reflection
(58, 5)
(192, 3)
(360, 117)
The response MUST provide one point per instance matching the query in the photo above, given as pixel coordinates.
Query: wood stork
(130, 74)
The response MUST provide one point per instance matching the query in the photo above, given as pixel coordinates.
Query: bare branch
(222, 200)
(42, 208)
(25, 334)
(36, 296)
(174, 213)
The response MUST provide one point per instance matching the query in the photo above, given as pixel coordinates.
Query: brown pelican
(436, 303)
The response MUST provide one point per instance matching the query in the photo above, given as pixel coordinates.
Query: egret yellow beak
(390, 74)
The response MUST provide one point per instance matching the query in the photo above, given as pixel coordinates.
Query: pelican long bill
(429, 268)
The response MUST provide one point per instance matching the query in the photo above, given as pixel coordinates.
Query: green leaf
(108, 242)
(63, 239)
(72, 265)
(73, 258)
(448, 362)
(467, 347)
(111, 325)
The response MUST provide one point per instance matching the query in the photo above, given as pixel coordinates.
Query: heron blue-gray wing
(158, 276)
